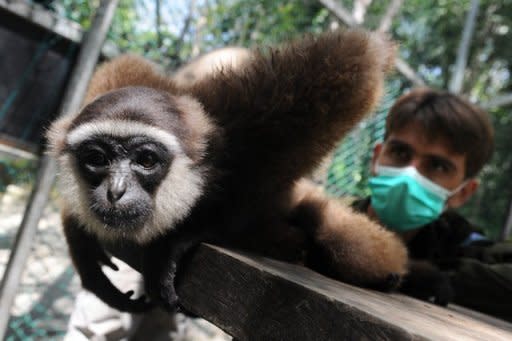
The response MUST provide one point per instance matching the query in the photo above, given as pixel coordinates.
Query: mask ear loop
(455, 191)
(458, 188)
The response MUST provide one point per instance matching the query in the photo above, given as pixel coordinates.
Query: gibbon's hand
(95, 280)
(88, 255)
(426, 282)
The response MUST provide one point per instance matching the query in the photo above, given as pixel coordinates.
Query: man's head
(458, 124)
(443, 136)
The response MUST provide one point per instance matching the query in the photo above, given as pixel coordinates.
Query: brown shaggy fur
(348, 241)
(264, 124)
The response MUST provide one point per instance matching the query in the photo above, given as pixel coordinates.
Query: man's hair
(466, 127)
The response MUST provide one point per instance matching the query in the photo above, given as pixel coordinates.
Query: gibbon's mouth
(131, 219)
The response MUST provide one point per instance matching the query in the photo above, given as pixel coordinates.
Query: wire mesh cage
(349, 169)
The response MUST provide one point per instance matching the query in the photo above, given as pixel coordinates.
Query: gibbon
(166, 166)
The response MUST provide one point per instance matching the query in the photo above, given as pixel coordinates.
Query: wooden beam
(255, 298)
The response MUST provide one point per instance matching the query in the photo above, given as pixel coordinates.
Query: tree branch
(498, 101)
(387, 18)
(342, 14)
(462, 54)
(158, 24)
(183, 32)
(360, 9)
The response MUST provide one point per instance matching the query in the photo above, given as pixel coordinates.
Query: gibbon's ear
(56, 135)
(127, 70)
(201, 127)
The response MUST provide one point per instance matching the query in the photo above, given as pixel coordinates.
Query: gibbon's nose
(116, 188)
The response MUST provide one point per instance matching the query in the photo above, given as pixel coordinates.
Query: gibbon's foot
(88, 256)
(392, 282)
(347, 245)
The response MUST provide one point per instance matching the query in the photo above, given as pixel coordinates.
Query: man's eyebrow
(393, 142)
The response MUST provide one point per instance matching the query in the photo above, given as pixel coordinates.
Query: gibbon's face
(130, 163)
(122, 175)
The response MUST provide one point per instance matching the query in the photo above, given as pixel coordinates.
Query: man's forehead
(414, 136)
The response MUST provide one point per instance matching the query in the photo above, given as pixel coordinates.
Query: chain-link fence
(45, 296)
(349, 169)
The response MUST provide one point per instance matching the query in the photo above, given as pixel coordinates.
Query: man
(434, 146)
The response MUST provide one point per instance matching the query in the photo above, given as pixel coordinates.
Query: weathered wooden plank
(254, 298)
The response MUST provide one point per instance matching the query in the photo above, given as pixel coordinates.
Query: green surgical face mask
(404, 200)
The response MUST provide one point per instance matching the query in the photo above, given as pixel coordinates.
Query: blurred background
(460, 45)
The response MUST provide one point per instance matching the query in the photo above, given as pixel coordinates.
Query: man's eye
(439, 167)
(95, 158)
(400, 155)
(147, 160)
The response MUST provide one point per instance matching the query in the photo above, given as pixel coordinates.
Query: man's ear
(376, 152)
(464, 194)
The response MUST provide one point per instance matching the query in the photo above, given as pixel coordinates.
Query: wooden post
(72, 100)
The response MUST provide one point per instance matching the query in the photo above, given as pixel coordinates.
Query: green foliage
(246, 23)
(16, 171)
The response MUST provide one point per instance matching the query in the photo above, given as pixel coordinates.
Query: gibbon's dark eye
(147, 159)
(95, 158)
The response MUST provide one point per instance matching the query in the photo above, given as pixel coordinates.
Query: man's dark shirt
(477, 275)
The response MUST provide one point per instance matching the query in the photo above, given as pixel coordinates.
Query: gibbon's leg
(88, 256)
(347, 245)
(287, 107)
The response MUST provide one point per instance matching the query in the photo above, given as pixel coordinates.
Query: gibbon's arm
(287, 107)
(347, 245)
(87, 255)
